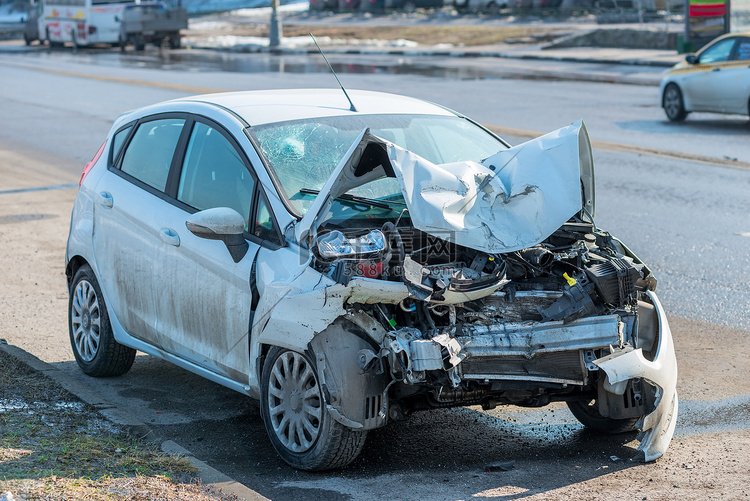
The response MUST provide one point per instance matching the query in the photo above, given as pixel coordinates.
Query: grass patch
(425, 35)
(55, 447)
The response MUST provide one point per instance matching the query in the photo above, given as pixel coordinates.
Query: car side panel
(203, 299)
(124, 243)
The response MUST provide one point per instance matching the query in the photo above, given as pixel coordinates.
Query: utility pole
(274, 32)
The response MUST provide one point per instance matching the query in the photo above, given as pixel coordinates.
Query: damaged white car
(350, 263)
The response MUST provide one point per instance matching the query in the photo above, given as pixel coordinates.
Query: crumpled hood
(513, 200)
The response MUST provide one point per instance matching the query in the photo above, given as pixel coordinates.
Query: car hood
(512, 200)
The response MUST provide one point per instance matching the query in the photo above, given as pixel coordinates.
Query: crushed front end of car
(487, 284)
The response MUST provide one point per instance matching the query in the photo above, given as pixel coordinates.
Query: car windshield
(304, 153)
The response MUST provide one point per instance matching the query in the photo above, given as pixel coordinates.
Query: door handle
(105, 199)
(169, 236)
(716, 69)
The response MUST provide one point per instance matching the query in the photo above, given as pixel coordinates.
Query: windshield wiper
(353, 198)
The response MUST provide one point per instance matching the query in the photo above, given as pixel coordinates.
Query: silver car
(350, 262)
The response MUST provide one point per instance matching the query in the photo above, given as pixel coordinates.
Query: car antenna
(352, 108)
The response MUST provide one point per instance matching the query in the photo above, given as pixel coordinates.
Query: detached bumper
(656, 428)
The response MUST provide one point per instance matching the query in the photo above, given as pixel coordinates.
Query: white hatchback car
(715, 79)
(349, 263)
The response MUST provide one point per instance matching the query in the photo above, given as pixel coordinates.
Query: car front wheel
(587, 412)
(673, 104)
(297, 422)
(94, 346)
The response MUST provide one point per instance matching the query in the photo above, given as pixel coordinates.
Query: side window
(719, 52)
(213, 174)
(743, 50)
(117, 142)
(149, 154)
(265, 227)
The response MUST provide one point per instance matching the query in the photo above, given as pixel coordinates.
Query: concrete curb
(132, 425)
(254, 49)
(417, 52)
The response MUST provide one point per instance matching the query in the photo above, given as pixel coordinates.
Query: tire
(673, 104)
(299, 426)
(175, 40)
(587, 412)
(94, 346)
(138, 44)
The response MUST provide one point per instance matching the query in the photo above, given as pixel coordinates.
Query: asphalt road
(687, 219)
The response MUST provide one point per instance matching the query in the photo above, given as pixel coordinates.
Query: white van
(80, 22)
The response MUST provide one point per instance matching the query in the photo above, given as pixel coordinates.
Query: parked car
(323, 4)
(372, 5)
(486, 6)
(412, 5)
(352, 262)
(714, 79)
(346, 5)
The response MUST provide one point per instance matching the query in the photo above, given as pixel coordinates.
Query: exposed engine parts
(524, 327)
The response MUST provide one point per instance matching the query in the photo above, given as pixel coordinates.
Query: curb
(254, 49)
(468, 54)
(132, 425)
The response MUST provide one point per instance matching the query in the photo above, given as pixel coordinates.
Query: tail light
(91, 163)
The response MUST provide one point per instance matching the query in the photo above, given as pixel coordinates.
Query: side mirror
(221, 223)
(691, 58)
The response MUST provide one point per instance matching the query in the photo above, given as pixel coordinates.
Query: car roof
(269, 106)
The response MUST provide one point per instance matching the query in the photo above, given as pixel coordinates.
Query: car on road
(350, 259)
(715, 79)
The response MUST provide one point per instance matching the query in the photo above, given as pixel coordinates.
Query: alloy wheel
(86, 320)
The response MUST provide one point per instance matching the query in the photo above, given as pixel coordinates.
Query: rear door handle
(169, 236)
(105, 199)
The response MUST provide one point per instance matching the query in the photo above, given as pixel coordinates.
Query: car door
(127, 226)
(703, 83)
(733, 85)
(203, 298)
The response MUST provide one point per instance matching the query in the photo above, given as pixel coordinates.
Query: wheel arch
(74, 264)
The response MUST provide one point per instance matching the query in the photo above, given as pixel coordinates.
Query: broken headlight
(335, 245)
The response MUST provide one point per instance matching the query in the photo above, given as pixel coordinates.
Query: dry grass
(54, 447)
(425, 35)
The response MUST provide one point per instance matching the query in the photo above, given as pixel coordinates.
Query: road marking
(190, 89)
(599, 145)
(66, 186)
(627, 148)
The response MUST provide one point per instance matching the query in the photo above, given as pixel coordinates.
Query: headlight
(335, 245)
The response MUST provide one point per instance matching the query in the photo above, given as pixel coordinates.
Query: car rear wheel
(94, 346)
(587, 412)
(673, 104)
(294, 413)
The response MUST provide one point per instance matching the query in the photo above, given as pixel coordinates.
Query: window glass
(743, 49)
(118, 140)
(718, 52)
(264, 225)
(214, 175)
(149, 154)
